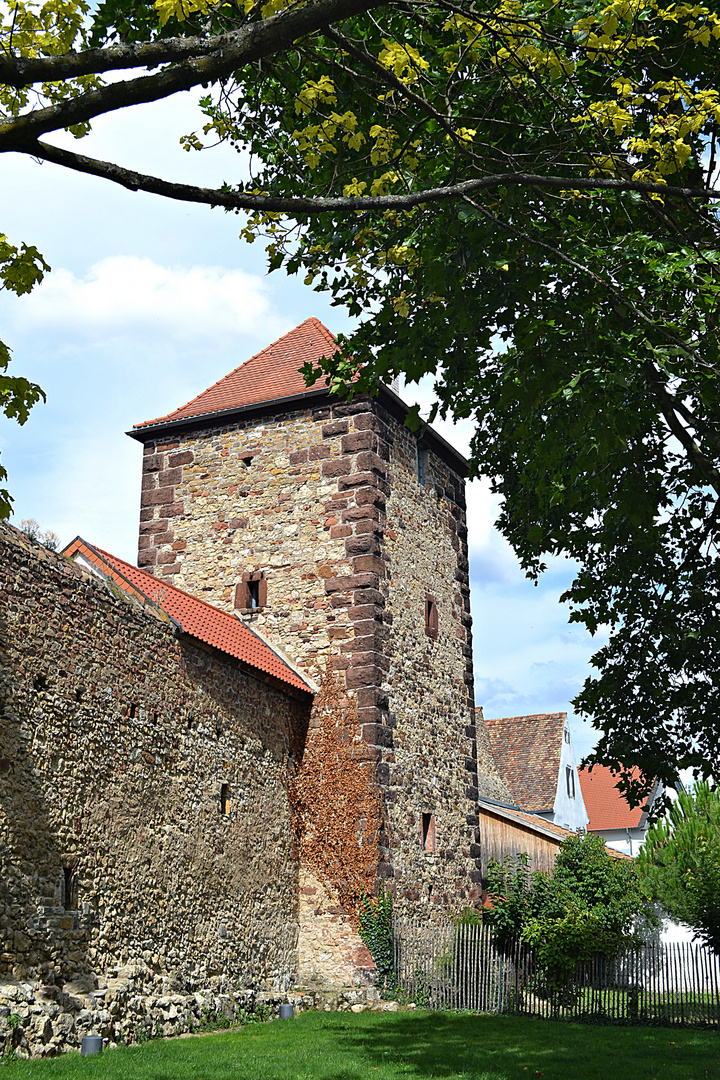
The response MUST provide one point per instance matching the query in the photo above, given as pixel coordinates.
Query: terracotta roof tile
(606, 807)
(527, 755)
(196, 617)
(272, 373)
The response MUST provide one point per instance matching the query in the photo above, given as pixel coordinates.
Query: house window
(251, 592)
(431, 618)
(570, 782)
(427, 832)
(566, 735)
(421, 464)
(224, 799)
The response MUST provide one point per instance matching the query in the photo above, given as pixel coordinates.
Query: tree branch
(21, 71)
(668, 407)
(253, 42)
(293, 205)
(617, 293)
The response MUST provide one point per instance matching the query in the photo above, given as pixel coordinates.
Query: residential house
(535, 758)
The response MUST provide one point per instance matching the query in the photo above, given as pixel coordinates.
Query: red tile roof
(197, 618)
(270, 374)
(527, 751)
(606, 807)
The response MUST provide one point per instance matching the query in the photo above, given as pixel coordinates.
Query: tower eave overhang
(427, 437)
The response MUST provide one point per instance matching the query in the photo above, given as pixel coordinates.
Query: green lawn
(401, 1046)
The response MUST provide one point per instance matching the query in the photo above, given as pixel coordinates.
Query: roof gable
(606, 806)
(269, 375)
(195, 617)
(527, 753)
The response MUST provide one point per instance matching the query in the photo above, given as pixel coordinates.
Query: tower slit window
(421, 465)
(70, 888)
(251, 592)
(431, 617)
(427, 832)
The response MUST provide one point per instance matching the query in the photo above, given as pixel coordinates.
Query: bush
(589, 905)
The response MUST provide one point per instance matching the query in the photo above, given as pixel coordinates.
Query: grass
(401, 1046)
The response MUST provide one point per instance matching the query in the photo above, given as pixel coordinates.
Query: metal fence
(445, 966)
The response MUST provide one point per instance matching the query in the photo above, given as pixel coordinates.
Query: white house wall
(570, 813)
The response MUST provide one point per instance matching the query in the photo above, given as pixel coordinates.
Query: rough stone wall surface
(116, 735)
(330, 952)
(428, 680)
(135, 1003)
(325, 503)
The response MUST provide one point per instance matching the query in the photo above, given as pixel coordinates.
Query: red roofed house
(611, 816)
(534, 755)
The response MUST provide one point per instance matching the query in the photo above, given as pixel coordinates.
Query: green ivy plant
(376, 932)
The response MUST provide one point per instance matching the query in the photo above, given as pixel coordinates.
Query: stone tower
(337, 532)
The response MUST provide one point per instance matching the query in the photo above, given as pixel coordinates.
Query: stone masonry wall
(116, 734)
(429, 681)
(325, 503)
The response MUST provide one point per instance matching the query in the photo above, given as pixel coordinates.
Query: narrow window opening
(566, 735)
(79, 694)
(421, 465)
(155, 718)
(251, 592)
(224, 799)
(40, 683)
(570, 782)
(431, 618)
(427, 827)
(70, 888)
(247, 462)
(132, 710)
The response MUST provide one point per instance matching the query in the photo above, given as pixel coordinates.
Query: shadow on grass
(406, 1046)
(445, 1045)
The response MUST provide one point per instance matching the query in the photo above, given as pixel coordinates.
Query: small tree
(589, 905)
(680, 862)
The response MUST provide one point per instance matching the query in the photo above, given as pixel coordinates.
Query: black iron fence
(445, 966)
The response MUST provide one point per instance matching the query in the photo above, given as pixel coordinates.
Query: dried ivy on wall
(337, 808)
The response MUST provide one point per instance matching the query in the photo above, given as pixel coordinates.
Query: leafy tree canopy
(680, 862)
(590, 904)
(516, 196)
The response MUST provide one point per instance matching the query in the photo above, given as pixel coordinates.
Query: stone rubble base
(42, 1021)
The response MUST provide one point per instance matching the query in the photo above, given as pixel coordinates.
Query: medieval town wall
(118, 736)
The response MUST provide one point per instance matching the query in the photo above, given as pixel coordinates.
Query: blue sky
(148, 303)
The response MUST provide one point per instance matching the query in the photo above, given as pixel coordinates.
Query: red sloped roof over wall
(196, 617)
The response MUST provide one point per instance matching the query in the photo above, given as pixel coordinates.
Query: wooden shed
(504, 830)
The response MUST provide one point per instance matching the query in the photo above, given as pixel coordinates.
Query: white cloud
(129, 340)
(125, 297)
